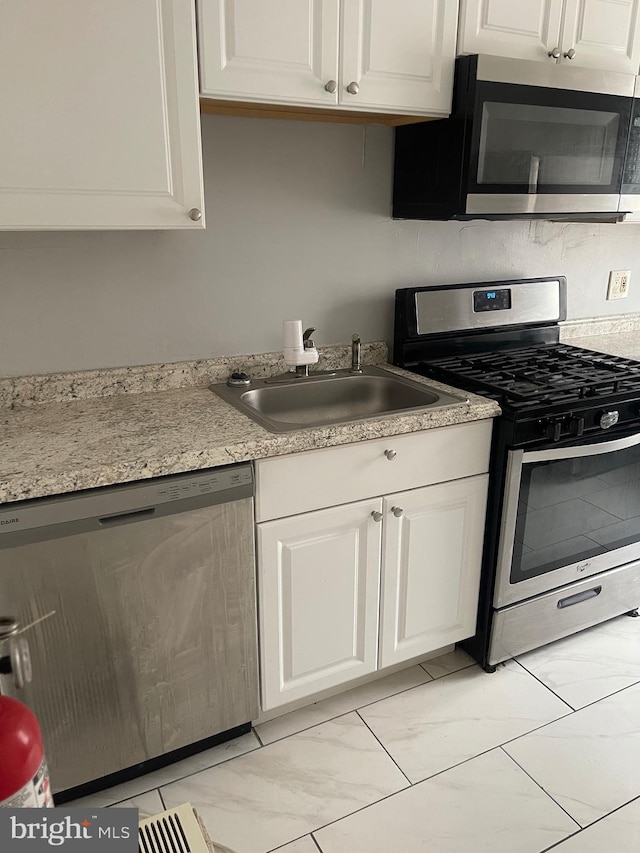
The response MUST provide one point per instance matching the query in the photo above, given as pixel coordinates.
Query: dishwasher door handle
(126, 517)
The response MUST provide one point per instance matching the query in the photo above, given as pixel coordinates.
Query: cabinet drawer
(288, 485)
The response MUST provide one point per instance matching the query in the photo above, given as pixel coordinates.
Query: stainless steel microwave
(525, 140)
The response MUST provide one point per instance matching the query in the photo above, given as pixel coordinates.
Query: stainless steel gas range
(562, 543)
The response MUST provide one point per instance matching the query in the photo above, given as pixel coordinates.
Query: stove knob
(553, 430)
(607, 419)
(576, 426)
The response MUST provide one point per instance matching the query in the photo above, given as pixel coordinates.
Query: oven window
(572, 509)
(531, 144)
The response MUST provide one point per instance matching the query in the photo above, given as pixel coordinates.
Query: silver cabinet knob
(569, 54)
(397, 511)
(376, 516)
(353, 88)
(390, 454)
(195, 214)
(555, 53)
(331, 86)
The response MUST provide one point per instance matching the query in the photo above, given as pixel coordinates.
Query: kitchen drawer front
(314, 479)
(558, 614)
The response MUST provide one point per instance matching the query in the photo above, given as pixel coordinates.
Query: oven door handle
(581, 450)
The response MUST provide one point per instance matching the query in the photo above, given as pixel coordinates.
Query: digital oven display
(492, 300)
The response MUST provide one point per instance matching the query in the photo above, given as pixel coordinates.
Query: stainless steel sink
(289, 402)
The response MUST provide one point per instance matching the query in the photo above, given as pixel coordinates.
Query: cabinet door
(282, 51)
(100, 115)
(318, 584)
(431, 567)
(522, 30)
(399, 55)
(604, 34)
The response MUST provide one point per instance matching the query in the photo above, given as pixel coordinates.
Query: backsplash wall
(298, 225)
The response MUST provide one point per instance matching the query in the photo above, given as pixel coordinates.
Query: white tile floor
(544, 753)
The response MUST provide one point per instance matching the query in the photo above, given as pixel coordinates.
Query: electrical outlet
(618, 284)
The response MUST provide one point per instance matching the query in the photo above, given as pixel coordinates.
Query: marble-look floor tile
(446, 664)
(149, 804)
(291, 787)
(590, 665)
(487, 805)
(618, 832)
(193, 764)
(302, 845)
(342, 703)
(434, 726)
(588, 762)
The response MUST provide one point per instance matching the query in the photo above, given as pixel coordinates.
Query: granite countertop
(67, 432)
(65, 446)
(625, 344)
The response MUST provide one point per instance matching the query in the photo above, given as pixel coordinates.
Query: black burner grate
(533, 375)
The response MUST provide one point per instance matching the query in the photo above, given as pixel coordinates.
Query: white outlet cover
(619, 281)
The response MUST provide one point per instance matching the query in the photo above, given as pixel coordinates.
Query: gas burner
(534, 375)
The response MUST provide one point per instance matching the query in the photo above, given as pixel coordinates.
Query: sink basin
(290, 402)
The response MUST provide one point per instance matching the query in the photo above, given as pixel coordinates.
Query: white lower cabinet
(318, 582)
(348, 589)
(432, 552)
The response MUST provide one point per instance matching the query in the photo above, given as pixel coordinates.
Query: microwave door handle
(534, 169)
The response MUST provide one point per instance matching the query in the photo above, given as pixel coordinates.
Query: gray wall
(298, 226)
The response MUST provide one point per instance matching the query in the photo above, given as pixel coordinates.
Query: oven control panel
(492, 300)
(576, 424)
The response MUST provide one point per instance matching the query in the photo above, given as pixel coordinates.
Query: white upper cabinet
(276, 51)
(526, 29)
(602, 34)
(388, 56)
(397, 55)
(100, 115)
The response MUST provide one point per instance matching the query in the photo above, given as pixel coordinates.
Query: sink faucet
(299, 349)
(356, 353)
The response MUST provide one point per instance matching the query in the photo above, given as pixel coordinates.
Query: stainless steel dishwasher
(152, 648)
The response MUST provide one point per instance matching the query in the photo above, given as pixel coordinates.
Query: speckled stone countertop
(625, 344)
(58, 447)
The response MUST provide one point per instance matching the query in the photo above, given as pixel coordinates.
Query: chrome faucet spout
(356, 353)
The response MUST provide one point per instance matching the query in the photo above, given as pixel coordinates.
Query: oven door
(568, 513)
(536, 148)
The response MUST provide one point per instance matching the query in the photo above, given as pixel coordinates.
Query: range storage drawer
(288, 485)
(564, 611)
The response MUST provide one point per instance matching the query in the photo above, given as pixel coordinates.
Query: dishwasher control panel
(175, 488)
(129, 501)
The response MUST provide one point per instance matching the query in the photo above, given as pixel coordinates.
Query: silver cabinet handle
(555, 53)
(353, 88)
(390, 454)
(397, 511)
(376, 516)
(569, 54)
(195, 214)
(331, 86)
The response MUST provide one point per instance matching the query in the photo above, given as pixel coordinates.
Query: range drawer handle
(579, 597)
